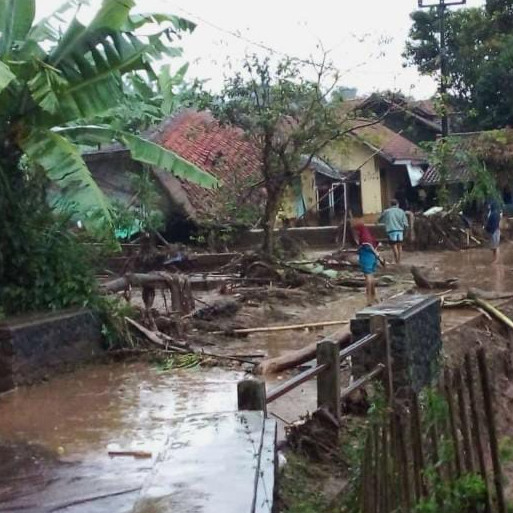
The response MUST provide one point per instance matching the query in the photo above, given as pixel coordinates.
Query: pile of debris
(446, 230)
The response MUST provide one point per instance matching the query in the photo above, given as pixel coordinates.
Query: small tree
(287, 117)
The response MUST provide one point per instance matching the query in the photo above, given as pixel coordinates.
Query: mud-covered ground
(55, 436)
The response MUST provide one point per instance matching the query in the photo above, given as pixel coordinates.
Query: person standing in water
(367, 259)
(396, 222)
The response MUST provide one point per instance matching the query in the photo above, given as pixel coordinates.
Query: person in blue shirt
(395, 221)
(492, 227)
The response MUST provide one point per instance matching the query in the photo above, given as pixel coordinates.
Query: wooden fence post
(476, 427)
(328, 382)
(251, 395)
(492, 431)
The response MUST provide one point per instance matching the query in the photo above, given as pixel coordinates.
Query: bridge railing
(252, 394)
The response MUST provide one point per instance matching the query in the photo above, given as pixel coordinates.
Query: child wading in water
(368, 260)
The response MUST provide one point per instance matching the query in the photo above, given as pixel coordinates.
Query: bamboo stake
(476, 429)
(403, 465)
(268, 329)
(452, 421)
(376, 472)
(490, 420)
(384, 469)
(418, 454)
(464, 422)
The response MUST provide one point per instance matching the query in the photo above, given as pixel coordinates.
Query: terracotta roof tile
(222, 151)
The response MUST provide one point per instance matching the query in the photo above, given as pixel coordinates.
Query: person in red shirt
(368, 259)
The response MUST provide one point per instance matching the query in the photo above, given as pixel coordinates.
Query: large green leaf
(6, 76)
(143, 151)
(78, 38)
(64, 166)
(47, 29)
(136, 21)
(16, 17)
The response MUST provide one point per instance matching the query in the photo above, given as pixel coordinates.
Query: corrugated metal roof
(454, 175)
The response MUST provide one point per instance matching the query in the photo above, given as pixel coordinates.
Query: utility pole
(442, 6)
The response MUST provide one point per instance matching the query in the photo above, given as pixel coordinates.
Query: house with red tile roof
(365, 173)
(223, 151)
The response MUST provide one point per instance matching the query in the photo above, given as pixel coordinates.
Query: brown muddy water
(55, 437)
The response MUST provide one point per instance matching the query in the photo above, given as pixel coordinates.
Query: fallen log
(425, 283)
(267, 329)
(292, 359)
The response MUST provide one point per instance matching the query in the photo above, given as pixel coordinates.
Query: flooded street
(55, 436)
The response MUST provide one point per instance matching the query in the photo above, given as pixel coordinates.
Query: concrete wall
(33, 347)
(414, 326)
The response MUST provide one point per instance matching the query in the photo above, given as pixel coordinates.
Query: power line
(269, 48)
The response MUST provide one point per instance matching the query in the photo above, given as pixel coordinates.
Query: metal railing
(252, 394)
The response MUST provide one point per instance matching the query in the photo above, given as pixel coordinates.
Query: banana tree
(53, 78)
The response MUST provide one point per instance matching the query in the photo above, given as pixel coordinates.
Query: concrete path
(215, 462)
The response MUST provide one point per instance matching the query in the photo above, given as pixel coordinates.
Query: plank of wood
(267, 329)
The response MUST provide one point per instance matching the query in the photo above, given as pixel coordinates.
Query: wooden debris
(222, 308)
(267, 329)
(424, 283)
(292, 359)
(158, 338)
(134, 454)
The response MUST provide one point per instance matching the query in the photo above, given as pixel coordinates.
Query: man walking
(395, 221)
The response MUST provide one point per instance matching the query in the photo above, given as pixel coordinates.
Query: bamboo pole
(384, 469)
(269, 329)
(464, 426)
(376, 471)
(476, 428)
(403, 465)
(452, 421)
(488, 307)
(418, 454)
(490, 420)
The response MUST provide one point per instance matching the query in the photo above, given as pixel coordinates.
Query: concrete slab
(214, 462)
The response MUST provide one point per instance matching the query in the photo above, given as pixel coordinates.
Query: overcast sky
(365, 38)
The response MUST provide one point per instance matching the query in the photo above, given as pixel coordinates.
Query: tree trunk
(272, 206)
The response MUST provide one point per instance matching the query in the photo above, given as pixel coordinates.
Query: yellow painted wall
(349, 157)
(288, 205)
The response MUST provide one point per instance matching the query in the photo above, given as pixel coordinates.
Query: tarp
(415, 173)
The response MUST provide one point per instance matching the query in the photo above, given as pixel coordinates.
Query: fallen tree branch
(159, 339)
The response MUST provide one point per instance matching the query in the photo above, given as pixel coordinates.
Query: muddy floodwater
(55, 437)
